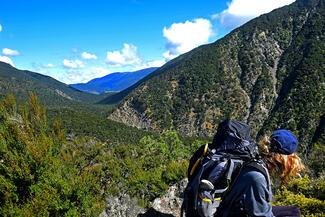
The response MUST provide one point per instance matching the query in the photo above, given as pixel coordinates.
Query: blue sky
(75, 41)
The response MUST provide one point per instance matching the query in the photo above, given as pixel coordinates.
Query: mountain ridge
(113, 82)
(252, 74)
(51, 91)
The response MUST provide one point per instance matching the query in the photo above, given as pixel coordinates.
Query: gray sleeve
(257, 197)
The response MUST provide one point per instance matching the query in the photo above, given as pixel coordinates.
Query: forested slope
(268, 73)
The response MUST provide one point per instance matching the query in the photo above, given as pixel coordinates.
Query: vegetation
(306, 193)
(268, 72)
(149, 168)
(41, 173)
(301, 95)
(63, 161)
(50, 91)
(316, 160)
(92, 121)
(45, 173)
(79, 114)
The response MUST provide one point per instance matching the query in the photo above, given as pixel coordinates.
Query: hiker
(229, 177)
(250, 194)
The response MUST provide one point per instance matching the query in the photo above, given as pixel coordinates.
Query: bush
(316, 160)
(147, 170)
(305, 193)
(175, 171)
(42, 174)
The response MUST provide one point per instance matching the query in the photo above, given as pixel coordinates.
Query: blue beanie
(283, 142)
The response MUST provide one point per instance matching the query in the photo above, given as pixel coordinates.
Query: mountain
(268, 73)
(50, 91)
(113, 82)
(78, 112)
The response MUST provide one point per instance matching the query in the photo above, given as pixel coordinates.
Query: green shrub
(175, 171)
(316, 160)
(42, 174)
(305, 193)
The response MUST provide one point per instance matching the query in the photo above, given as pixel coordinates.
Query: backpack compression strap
(198, 161)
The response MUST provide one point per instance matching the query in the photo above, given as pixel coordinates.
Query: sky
(75, 41)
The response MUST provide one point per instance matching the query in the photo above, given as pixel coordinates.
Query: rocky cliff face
(268, 73)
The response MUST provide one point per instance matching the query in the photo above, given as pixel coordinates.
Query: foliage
(41, 173)
(305, 193)
(316, 158)
(301, 95)
(146, 170)
(50, 91)
(92, 121)
(45, 173)
(268, 72)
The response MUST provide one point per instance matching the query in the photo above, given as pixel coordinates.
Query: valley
(120, 144)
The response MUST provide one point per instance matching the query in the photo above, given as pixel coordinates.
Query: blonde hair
(286, 166)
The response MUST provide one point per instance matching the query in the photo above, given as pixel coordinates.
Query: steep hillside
(269, 73)
(76, 110)
(113, 82)
(49, 90)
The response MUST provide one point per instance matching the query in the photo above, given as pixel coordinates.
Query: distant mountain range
(268, 73)
(113, 82)
(50, 91)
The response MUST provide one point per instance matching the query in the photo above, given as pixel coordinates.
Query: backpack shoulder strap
(199, 160)
(260, 166)
(257, 165)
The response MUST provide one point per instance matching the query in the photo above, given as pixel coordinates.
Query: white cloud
(255, 7)
(241, 11)
(84, 75)
(128, 59)
(10, 52)
(99, 72)
(0, 28)
(168, 55)
(6, 60)
(73, 64)
(49, 65)
(149, 64)
(154, 63)
(128, 56)
(183, 37)
(88, 56)
(41, 67)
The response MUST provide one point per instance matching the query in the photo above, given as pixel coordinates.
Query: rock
(171, 202)
(122, 206)
(154, 213)
(168, 205)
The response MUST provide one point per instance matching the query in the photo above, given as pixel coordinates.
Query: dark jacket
(249, 195)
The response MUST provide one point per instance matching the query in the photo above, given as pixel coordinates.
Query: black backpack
(214, 167)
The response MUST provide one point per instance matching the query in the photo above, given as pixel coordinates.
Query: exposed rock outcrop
(121, 206)
(168, 205)
(171, 202)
